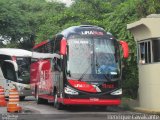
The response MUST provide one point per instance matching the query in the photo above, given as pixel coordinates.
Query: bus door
(57, 77)
(46, 83)
(34, 75)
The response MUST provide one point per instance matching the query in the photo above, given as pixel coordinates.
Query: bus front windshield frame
(93, 58)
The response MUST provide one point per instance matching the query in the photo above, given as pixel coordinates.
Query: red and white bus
(83, 67)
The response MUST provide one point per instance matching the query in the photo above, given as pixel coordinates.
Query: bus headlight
(117, 92)
(70, 91)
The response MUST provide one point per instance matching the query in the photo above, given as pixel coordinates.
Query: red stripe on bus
(75, 101)
(48, 97)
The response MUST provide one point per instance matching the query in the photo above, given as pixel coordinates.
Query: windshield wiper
(84, 73)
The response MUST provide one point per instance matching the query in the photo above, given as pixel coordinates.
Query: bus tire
(38, 100)
(57, 105)
(22, 98)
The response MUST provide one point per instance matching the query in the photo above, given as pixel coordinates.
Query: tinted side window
(144, 52)
(156, 50)
(8, 71)
(4, 57)
(24, 68)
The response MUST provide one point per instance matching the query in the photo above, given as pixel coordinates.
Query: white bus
(15, 70)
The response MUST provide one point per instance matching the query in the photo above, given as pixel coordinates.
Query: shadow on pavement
(93, 109)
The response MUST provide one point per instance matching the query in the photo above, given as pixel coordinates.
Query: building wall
(149, 86)
(149, 74)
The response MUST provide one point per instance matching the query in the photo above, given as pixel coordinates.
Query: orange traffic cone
(13, 103)
(2, 97)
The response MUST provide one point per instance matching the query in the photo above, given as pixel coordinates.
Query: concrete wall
(145, 28)
(149, 74)
(149, 86)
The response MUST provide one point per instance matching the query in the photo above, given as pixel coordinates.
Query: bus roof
(15, 52)
(44, 55)
(40, 44)
(80, 28)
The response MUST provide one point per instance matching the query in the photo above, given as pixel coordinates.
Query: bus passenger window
(142, 53)
(24, 69)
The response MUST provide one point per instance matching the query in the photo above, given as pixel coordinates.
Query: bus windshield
(92, 58)
(24, 69)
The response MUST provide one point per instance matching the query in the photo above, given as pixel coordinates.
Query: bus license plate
(94, 99)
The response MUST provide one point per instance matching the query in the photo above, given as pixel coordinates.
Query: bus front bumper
(91, 101)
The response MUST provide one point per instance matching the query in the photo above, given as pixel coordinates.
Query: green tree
(20, 20)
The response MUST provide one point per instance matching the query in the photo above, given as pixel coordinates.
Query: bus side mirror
(13, 63)
(9, 69)
(63, 46)
(125, 48)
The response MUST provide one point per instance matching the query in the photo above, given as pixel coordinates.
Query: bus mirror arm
(69, 73)
(125, 48)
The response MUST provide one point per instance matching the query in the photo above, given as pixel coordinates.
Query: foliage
(20, 20)
(23, 21)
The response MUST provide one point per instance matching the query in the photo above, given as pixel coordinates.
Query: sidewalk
(131, 104)
(3, 110)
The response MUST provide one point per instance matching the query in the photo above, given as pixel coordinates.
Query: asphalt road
(46, 111)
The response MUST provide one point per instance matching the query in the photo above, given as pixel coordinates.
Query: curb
(29, 111)
(148, 111)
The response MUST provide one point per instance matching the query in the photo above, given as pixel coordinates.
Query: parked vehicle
(85, 69)
(15, 70)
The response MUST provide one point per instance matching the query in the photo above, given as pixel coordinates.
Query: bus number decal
(107, 86)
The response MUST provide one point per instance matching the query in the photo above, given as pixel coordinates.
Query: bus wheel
(22, 98)
(38, 100)
(57, 105)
